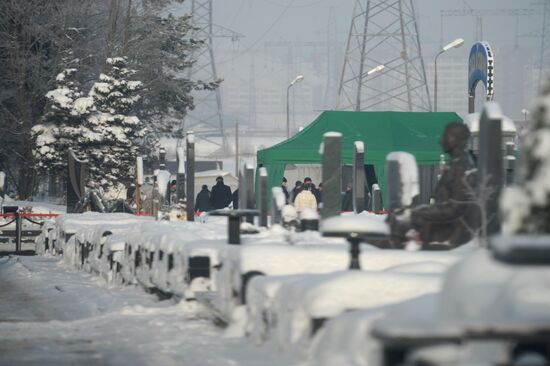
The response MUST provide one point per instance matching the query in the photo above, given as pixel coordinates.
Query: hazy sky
(263, 22)
(307, 20)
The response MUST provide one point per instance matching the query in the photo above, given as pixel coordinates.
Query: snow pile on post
(405, 177)
(526, 207)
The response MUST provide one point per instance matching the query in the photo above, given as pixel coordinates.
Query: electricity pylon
(206, 119)
(383, 32)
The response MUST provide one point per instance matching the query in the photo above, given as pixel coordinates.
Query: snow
(306, 252)
(360, 224)
(54, 316)
(289, 213)
(101, 87)
(409, 175)
(359, 146)
(300, 299)
(130, 120)
(163, 178)
(497, 293)
(83, 105)
(481, 296)
(60, 97)
(472, 121)
(139, 170)
(308, 214)
(133, 85)
(279, 197)
(521, 201)
(180, 152)
(301, 276)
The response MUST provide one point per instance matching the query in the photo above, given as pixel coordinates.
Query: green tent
(381, 132)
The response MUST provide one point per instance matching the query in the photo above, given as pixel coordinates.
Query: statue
(94, 200)
(454, 216)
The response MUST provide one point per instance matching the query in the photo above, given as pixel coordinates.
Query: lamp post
(296, 80)
(456, 43)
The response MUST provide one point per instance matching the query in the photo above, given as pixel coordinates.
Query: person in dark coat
(313, 189)
(202, 203)
(285, 190)
(220, 195)
(296, 190)
(347, 201)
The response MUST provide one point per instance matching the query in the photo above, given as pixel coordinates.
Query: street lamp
(456, 43)
(296, 80)
(360, 84)
(376, 69)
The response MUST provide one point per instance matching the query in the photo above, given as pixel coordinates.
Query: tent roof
(381, 132)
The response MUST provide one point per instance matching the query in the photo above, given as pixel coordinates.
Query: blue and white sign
(481, 68)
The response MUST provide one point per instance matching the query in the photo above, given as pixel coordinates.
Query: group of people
(304, 194)
(219, 197)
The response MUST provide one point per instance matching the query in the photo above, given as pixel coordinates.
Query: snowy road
(52, 315)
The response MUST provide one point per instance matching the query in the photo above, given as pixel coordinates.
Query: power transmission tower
(206, 119)
(383, 32)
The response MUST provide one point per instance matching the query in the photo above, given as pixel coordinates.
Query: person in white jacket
(305, 199)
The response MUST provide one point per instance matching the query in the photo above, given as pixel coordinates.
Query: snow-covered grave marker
(190, 146)
(355, 229)
(402, 180)
(139, 182)
(331, 151)
(262, 196)
(277, 204)
(180, 177)
(77, 175)
(358, 177)
(246, 189)
(376, 199)
(490, 163)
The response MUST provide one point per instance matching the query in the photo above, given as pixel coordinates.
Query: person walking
(220, 195)
(202, 203)
(305, 199)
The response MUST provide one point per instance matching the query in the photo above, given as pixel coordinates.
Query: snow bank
(346, 339)
(292, 304)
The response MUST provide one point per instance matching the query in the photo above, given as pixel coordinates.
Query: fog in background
(284, 38)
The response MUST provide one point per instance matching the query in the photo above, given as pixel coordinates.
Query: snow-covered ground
(287, 297)
(52, 315)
